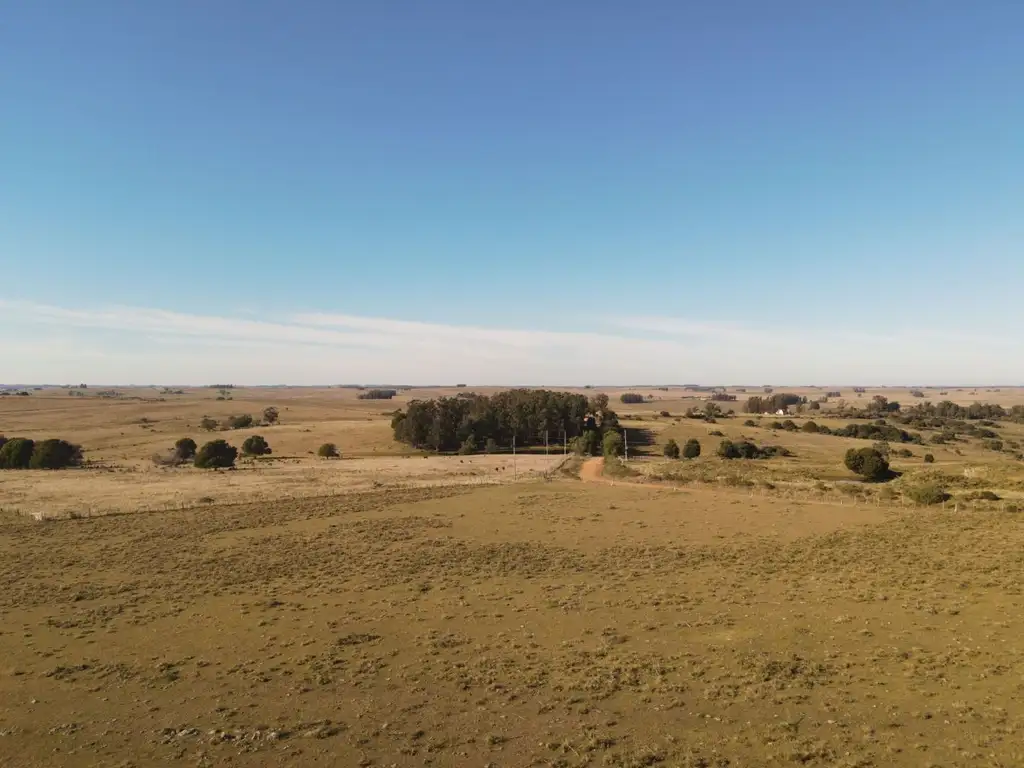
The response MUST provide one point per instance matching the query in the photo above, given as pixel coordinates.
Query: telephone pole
(625, 439)
(515, 472)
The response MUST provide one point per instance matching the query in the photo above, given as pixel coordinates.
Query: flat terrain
(391, 609)
(552, 623)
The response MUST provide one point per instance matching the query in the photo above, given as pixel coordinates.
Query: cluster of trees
(212, 455)
(723, 397)
(772, 403)
(744, 449)
(886, 432)
(24, 453)
(241, 421)
(690, 450)
(377, 394)
(469, 422)
(950, 410)
(631, 398)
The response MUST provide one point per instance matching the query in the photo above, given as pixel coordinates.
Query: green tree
(587, 443)
(868, 463)
(929, 458)
(55, 454)
(255, 445)
(611, 444)
(692, 448)
(328, 451)
(16, 453)
(270, 415)
(671, 450)
(185, 449)
(216, 454)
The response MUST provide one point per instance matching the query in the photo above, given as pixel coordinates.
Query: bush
(468, 446)
(491, 446)
(255, 445)
(665, 414)
(16, 453)
(671, 450)
(810, 427)
(240, 422)
(716, 433)
(692, 449)
(185, 449)
(631, 398)
(216, 453)
(611, 444)
(207, 424)
(328, 451)
(929, 493)
(55, 454)
(929, 458)
(868, 463)
(270, 415)
(749, 423)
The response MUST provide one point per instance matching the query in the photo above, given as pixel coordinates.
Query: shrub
(929, 458)
(749, 423)
(207, 424)
(255, 445)
(982, 496)
(928, 493)
(868, 463)
(727, 450)
(216, 453)
(328, 451)
(16, 453)
(491, 446)
(810, 427)
(611, 444)
(240, 422)
(716, 433)
(692, 448)
(468, 446)
(671, 450)
(185, 449)
(55, 454)
(631, 397)
(270, 415)
(664, 414)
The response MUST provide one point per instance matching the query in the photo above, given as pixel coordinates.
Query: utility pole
(565, 443)
(545, 442)
(515, 472)
(625, 438)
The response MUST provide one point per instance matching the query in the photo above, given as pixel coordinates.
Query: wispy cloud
(120, 344)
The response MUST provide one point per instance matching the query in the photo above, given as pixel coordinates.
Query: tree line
(470, 422)
(24, 453)
(772, 403)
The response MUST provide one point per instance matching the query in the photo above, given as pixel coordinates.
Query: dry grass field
(393, 610)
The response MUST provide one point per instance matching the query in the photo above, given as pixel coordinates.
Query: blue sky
(527, 193)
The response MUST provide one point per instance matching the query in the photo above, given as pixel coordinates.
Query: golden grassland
(393, 610)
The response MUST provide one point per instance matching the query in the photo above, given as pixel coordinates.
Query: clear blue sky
(615, 169)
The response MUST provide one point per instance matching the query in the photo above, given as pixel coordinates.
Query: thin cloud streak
(136, 344)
